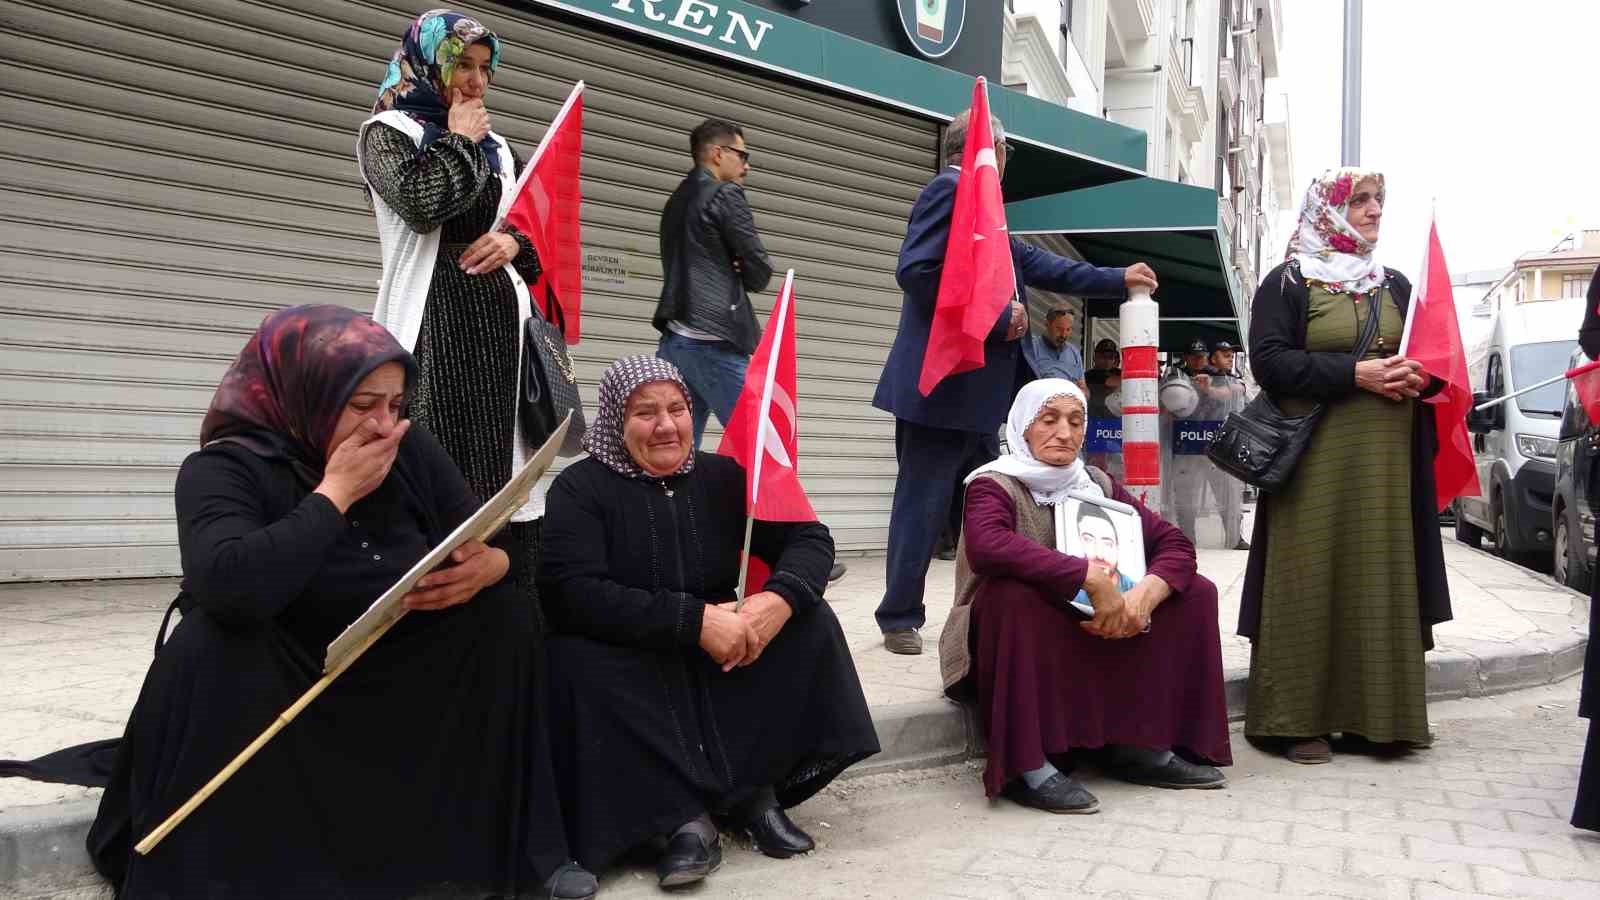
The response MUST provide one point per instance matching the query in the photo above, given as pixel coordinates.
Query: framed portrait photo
(1105, 532)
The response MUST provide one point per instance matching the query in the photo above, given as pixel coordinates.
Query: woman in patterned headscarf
(309, 497)
(674, 706)
(1346, 575)
(454, 292)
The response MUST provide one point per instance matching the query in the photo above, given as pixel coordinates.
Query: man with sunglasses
(941, 437)
(711, 258)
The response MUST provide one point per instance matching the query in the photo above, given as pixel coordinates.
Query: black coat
(1284, 368)
(705, 228)
(652, 731)
(1589, 704)
(437, 724)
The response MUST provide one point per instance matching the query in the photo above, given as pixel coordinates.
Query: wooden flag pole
(779, 315)
(744, 560)
(284, 718)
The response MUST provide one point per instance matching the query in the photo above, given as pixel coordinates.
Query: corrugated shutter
(175, 170)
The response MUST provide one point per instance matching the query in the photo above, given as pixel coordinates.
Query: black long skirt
(1586, 809)
(409, 776)
(651, 739)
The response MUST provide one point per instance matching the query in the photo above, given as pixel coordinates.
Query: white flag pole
(527, 170)
(780, 315)
(1422, 290)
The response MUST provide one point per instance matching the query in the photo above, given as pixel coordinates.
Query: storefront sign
(1191, 437)
(701, 17)
(1104, 436)
(605, 267)
(933, 26)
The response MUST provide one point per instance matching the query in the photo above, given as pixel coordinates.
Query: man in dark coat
(941, 437)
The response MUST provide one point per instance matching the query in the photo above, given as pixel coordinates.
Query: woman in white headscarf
(1138, 685)
(1346, 576)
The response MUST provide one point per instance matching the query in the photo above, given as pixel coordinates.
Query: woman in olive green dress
(1346, 575)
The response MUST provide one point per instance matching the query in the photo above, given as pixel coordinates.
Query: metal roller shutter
(175, 170)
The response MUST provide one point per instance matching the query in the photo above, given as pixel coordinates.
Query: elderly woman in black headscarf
(676, 705)
(310, 496)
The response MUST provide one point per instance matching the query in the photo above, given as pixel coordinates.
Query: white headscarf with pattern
(1330, 252)
(1048, 483)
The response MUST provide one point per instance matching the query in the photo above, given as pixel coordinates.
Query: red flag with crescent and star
(977, 281)
(764, 432)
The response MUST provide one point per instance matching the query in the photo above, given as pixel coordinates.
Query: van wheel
(1502, 537)
(1569, 558)
(1466, 532)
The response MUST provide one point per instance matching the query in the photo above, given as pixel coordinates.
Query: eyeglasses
(744, 155)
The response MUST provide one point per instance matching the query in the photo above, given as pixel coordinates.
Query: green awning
(1058, 149)
(1176, 228)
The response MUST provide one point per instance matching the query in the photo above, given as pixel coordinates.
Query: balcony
(1227, 83)
(1133, 19)
(1188, 103)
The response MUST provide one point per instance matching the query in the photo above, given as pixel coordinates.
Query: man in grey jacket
(711, 258)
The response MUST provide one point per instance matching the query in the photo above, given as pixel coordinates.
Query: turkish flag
(977, 281)
(546, 209)
(764, 432)
(1433, 338)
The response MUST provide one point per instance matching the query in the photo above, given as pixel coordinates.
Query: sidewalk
(73, 654)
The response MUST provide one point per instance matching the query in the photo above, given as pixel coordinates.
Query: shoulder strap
(1101, 478)
(1369, 329)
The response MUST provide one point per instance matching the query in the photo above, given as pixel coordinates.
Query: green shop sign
(789, 46)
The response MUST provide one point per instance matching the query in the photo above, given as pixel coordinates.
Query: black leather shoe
(571, 882)
(776, 836)
(1177, 773)
(1061, 793)
(688, 860)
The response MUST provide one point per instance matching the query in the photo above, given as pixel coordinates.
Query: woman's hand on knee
(474, 566)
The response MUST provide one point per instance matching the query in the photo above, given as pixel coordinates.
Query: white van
(1515, 442)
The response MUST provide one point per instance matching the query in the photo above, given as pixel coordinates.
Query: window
(1574, 284)
(1069, 31)
(1533, 363)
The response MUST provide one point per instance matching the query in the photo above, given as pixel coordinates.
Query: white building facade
(1191, 74)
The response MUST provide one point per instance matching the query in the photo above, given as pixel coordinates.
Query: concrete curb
(42, 848)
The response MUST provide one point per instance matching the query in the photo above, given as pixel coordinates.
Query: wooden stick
(284, 718)
(744, 561)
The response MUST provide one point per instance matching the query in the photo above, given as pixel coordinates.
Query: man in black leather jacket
(711, 257)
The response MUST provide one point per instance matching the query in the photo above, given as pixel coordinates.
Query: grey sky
(1489, 107)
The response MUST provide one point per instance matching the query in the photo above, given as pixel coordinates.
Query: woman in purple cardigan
(1138, 686)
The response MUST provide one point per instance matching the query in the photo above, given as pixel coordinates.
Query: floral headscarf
(418, 80)
(283, 396)
(603, 439)
(1047, 483)
(1329, 251)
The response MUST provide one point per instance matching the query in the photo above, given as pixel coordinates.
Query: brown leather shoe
(904, 641)
(1310, 752)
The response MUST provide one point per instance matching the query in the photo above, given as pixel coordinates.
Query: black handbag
(549, 387)
(1260, 444)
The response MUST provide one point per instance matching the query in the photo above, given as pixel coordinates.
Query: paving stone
(1261, 875)
(1562, 842)
(1312, 836)
(1494, 881)
(1271, 832)
(1434, 851)
(1454, 875)
(1324, 859)
(1109, 879)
